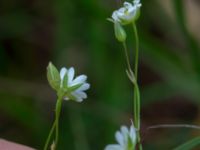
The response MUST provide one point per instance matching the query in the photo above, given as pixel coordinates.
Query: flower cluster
(126, 139)
(66, 85)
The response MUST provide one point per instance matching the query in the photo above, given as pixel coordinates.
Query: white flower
(126, 139)
(75, 88)
(128, 13)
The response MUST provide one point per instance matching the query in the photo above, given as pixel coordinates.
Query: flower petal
(79, 99)
(79, 79)
(63, 72)
(70, 74)
(132, 134)
(119, 137)
(84, 87)
(113, 147)
(127, 5)
(125, 134)
(80, 94)
(124, 130)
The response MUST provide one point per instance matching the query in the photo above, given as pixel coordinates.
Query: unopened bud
(120, 33)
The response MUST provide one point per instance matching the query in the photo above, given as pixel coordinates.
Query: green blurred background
(76, 33)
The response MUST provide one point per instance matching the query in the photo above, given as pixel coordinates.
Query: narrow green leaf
(189, 145)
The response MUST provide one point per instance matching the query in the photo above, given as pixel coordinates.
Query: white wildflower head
(127, 14)
(74, 87)
(66, 84)
(126, 139)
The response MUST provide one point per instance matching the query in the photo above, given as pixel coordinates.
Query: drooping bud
(120, 33)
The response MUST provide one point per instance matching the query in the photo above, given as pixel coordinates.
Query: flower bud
(53, 77)
(120, 33)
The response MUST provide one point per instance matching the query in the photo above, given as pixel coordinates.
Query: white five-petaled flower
(126, 139)
(128, 13)
(78, 85)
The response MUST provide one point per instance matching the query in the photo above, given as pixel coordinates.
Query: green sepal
(69, 90)
(53, 76)
(65, 82)
(137, 15)
(69, 96)
(131, 144)
(75, 87)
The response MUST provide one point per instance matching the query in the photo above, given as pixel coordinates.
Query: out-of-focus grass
(76, 33)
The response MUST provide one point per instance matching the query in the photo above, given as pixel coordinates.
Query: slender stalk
(136, 100)
(137, 92)
(136, 50)
(55, 125)
(57, 114)
(126, 55)
(170, 126)
(174, 126)
(50, 135)
(136, 89)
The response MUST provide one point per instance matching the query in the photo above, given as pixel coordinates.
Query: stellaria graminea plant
(126, 15)
(67, 88)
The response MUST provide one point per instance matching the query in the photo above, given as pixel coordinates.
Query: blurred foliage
(189, 145)
(76, 33)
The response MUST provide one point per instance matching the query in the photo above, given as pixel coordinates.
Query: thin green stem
(49, 136)
(57, 113)
(136, 50)
(136, 89)
(136, 100)
(138, 115)
(174, 126)
(126, 56)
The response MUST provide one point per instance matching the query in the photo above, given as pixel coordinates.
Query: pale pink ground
(6, 145)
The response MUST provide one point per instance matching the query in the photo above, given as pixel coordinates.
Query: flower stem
(55, 125)
(136, 89)
(126, 55)
(57, 114)
(136, 50)
(137, 111)
(49, 136)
